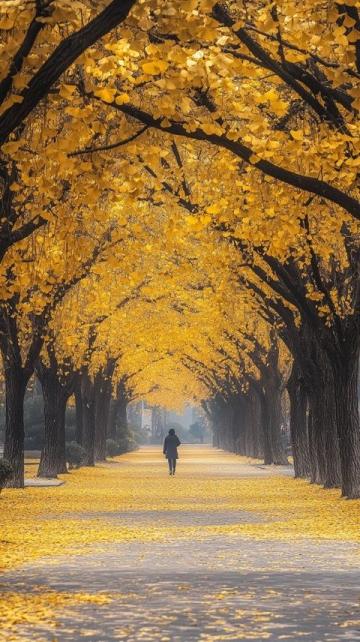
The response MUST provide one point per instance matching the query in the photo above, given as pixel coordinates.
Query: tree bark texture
(298, 423)
(102, 394)
(346, 375)
(88, 404)
(15, 387)
(56, 391)
(78, 412)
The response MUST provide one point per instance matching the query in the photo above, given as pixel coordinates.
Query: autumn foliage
(180, 222)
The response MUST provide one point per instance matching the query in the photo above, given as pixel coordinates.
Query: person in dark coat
(170, 451)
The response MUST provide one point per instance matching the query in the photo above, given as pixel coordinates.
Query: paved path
(206, 590)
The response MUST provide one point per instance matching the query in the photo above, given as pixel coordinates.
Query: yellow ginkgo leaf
(155, 67)
(107, 94)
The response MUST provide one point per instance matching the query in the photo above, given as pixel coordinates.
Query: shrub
(121, 446)
(128, 444)
(75, 454)
(112, 448)
(6, 471)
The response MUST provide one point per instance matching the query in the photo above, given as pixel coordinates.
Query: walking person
(170, 450)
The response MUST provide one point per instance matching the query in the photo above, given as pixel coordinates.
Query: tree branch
(104, 148)
(60, 60)
(300, 181)
(27, 44)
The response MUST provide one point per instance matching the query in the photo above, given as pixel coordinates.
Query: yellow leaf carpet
(131, 501)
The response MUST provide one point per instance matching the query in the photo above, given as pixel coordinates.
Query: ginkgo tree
(203, 118)
(227, 134)
(150, 338)
(30, 297)
(307, 285)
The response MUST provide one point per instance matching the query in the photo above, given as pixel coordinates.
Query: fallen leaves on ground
(19, 610)
(40, 522)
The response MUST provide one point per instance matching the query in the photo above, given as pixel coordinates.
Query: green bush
(112, 448)
(128, 444)
(6, 471)
(75, 454)
(140, 435)
(120, 446)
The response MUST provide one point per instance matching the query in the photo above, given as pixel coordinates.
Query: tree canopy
(180, 217)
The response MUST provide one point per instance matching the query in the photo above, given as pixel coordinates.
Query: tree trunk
(122, 419)
(117, 415)
(316, 439)
(56, 394)
(279, 457)
(15, 387)
(88, 403)
(49, 464)
(258, 437)
(323, 439)
(346, 374)
(274, 451)
(251, 426)
(219, 423)
(298, 423)
(265, 425)
(317, 377)
(269, 391)
(216, 440)
(112, 418)
(229, 428)
(78, 413)
(333, 474)
(102, 405)
(61, 455)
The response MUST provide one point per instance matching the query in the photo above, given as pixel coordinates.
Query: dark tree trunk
(239, 421)
(272, 388)
(265, 426)
(332, 449)
(248, 440)
(15, 387)
(323, 441)
(112, 418)
(218, 408)
(229, 427)
(88, 404)
(78, 413)
(323, 438)
(122, 419)
(102, 405)
(62, 467)
(52, 459)
(49, 463)
(56, 393)
(256, 423)
(216, 440)
(234, 427)
(298, 423)
(277, 447)
(117, 415)
(251, 426)
(209, 409)
(316, 438)
(17, 377)
(346, 374)
(269, 392)
(317, 378)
